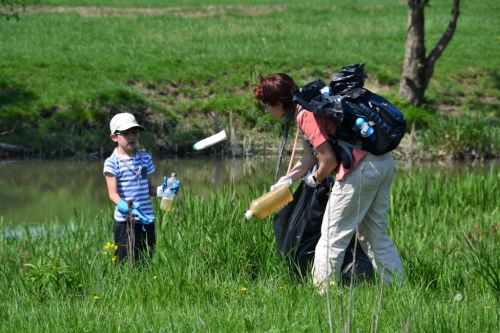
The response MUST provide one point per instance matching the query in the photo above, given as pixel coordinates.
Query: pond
(36, 191)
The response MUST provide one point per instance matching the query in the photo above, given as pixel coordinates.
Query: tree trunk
(417, 69)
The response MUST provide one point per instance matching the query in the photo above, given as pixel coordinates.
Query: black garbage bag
(348, 79)
(297, 228)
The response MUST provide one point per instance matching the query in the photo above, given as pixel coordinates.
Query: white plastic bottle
(168, 194)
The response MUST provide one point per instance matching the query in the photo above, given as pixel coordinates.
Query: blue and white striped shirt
(131, 185)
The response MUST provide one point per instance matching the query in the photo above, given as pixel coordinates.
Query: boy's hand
(160, 190)
(143, 217)
(176, 187)
(122, 206)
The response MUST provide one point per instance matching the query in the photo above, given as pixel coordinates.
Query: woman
(359, 198)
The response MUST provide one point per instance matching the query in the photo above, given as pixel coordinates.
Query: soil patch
(187, 12)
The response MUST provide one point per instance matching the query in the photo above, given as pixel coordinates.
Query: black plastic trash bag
(297, 228)
(349, 78)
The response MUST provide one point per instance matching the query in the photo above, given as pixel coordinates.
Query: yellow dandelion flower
(487, 307)
(105, 253)
(114, 258)
(244, 289)
(332, 284)
(96, 298)
(108, 246)
(283, 287)
(116, 247)
(155, 277)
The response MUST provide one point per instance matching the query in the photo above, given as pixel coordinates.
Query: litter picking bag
(297, 228)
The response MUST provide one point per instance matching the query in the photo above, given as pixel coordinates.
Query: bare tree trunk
(417, 69)
(413, 75)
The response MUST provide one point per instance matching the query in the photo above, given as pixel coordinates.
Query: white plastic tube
(211, 140)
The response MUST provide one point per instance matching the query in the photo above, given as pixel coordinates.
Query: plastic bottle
(364, 128)
(168, 195)
(216, 138)
(326, 91)
(269, 202)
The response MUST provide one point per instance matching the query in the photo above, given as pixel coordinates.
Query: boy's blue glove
(162, 188)
(122, 207)
(136, 210)
(176, 187)
(144, 218)
(164, 185)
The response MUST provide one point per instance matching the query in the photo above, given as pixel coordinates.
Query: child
(127, 173)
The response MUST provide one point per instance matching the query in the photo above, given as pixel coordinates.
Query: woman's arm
(304, 164)
(328, 161)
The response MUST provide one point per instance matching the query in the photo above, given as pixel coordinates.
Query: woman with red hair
(359, 200)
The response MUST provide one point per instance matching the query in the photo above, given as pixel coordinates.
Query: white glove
(282, 181)
(310, 180)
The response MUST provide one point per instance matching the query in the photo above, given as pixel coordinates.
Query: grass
(183, 67)
(213, 271)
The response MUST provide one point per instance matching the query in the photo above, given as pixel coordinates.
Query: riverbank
(67, 70)
(468, 139)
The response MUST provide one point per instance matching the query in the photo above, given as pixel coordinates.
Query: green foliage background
(185, 67)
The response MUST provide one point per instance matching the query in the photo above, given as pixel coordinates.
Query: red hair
(276, 88)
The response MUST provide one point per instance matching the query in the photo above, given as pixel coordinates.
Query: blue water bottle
(364, 128)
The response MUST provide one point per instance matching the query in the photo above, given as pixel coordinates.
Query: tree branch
(443, 42)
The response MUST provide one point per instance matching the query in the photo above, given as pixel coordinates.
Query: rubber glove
(160, 190)
(144, 218)
(175, 188)
(309, 179)
(282, 181)
(122, 206)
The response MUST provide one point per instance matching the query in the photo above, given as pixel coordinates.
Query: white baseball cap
(123, 122)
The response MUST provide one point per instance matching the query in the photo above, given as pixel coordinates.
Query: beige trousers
(360, 199)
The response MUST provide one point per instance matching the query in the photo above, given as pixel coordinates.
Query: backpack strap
(343, 151)
(341, 148)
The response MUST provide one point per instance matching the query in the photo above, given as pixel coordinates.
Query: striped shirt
(132, 185)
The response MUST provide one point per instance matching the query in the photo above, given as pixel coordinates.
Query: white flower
(458, 298)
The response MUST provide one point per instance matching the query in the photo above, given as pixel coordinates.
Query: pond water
(36, 191)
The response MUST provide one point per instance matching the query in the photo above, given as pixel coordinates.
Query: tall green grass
(213, 271)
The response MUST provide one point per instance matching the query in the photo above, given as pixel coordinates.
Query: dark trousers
(144, 240)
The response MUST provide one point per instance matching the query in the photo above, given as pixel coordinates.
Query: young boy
(127, 173)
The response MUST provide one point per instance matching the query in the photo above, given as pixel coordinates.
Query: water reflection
(37, 191)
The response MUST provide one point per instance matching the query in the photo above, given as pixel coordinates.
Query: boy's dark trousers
(144, 241)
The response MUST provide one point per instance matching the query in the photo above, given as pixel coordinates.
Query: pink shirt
(317, 129)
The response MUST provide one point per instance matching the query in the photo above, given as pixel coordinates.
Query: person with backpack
(359, 199)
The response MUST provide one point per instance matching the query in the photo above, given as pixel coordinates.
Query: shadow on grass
(15, 95)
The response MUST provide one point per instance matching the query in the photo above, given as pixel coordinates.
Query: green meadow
(188, 68)
(214, 271)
